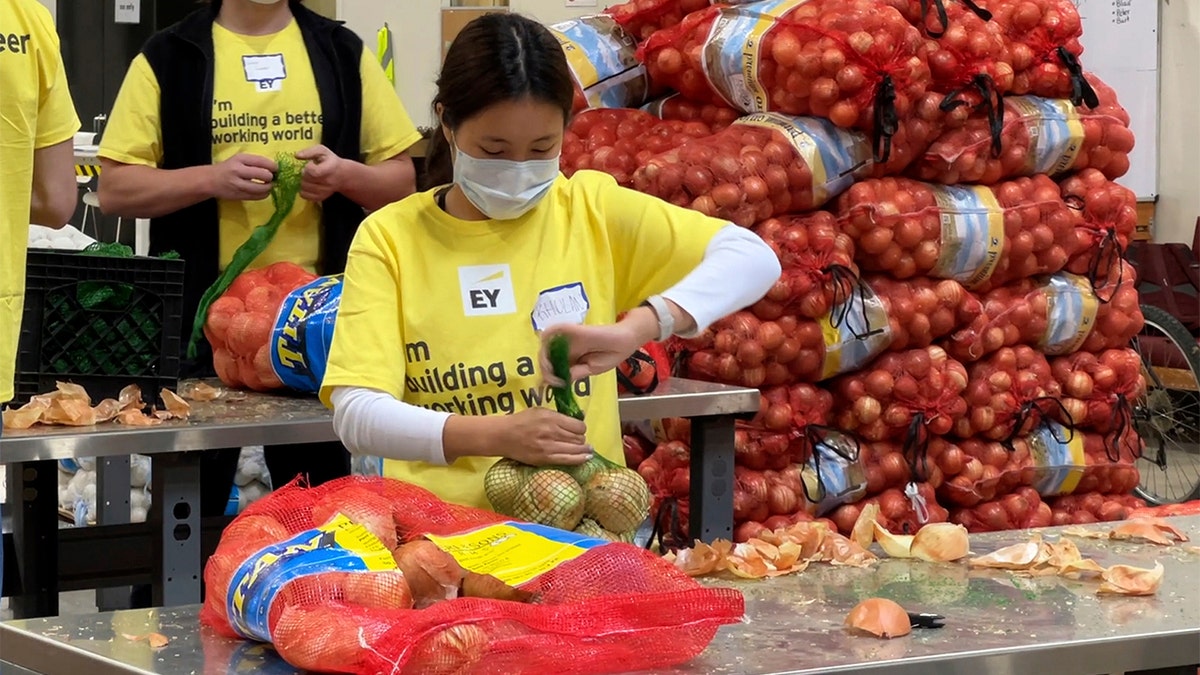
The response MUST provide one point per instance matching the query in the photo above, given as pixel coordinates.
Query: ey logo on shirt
(487, 290)
(268, 71)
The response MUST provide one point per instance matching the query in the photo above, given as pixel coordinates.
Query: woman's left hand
(599, 349)
(322, 175)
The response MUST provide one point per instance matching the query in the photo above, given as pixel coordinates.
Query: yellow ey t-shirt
(443, 313)
(36, 112)
(265, 102)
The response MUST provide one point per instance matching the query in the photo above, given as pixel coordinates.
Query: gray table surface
(996, 622)
(260, 419)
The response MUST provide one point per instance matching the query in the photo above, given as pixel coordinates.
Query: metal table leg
(711, 500)
(35, 537)
(112, 508)
(175, 520)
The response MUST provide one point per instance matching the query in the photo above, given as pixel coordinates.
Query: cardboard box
(454, 19)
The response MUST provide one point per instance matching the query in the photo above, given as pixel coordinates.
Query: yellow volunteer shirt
(443, 313)
(36, 112)
(265, 102)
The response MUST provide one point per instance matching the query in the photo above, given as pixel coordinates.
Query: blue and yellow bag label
(1055, 133)
(836, 157)
(843, 480)
(338, 546)
(1058, 465)
(303, 333)
(863, 333)
(602, 58)
(1071, 308)
(972, 234)
(515, 553)
(732, 51)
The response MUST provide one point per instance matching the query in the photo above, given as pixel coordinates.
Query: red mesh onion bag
(1060, 314)
(240, 324)
(1108, 219)
(898, 513)
(1008, 393)
(980, 236)
(878, 315)
(676, 107)
(1093, 507)
(905, 397)
(1038, 135)
(887, 466)
(1098, 389)
(641, 18)
(618, 140)
(1043, 44)
(1018, 510)
(645, 370)
(984, 470)
(762, 166)
(330, 601)
(1190, 508)
(854, 62)
(817, 261)
(603, 63)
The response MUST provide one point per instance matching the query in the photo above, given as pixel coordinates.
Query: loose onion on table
(1107, 223)
(761, 166)
(1098, 389)
(1039, 135)
(1008, 393)
(1060, 314)
(839, 59)
(617, 140)
(982, 236)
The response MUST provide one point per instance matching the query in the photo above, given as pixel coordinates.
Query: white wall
(1179, 124)
(417, 35)
(51, 5)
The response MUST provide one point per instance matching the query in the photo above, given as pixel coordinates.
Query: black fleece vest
(182, 59)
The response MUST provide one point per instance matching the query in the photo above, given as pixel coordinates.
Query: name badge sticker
(562, 304)
(268, 71)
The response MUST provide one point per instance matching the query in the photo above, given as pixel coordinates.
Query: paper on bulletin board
(129, 11)
(1120, 44)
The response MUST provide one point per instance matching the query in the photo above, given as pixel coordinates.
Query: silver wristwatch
(666, 320)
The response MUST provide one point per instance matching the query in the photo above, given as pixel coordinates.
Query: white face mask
(503, 189)
(267, 2)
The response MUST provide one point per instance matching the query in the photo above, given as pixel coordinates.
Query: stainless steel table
(995, 623)
(113, 552)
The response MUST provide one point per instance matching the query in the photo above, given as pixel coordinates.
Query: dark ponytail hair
(497, 57)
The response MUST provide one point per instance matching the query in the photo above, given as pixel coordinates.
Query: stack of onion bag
(369, 575)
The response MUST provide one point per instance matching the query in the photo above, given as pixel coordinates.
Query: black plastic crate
(103, 323)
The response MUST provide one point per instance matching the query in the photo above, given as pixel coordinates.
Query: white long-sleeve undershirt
(737, 270)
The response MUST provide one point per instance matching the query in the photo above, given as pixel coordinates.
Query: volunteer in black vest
(190, 144)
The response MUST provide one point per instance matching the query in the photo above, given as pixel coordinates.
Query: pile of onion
(1108, 219)
(1092, 507)
(896, 513)
(986, 470)
(1039, 32)
(1097, 389)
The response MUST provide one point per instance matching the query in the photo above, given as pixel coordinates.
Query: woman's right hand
(540, 437)
(243, 177)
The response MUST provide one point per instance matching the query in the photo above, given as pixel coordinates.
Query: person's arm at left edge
(54, 192)
(386, 173)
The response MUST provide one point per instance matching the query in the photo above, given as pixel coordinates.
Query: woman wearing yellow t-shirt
(435, 357)
(191, 141)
